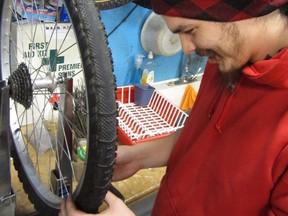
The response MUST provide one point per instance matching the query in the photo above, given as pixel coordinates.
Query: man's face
(220, 42)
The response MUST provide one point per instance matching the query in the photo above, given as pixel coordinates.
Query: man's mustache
(206, 52)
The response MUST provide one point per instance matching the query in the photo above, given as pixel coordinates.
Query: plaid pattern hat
(216, 10)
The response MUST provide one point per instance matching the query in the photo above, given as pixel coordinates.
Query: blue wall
(124, 32)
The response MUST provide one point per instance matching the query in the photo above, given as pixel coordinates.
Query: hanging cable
(122, 21)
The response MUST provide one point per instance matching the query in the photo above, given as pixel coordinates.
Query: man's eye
(191, 31)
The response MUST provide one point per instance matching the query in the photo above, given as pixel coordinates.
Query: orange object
(54, 99)
(188, 99)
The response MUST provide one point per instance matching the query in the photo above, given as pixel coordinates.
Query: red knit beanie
(216, 10)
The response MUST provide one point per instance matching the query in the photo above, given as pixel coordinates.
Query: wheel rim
(39, 121)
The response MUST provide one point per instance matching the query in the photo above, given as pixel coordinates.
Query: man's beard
(229, 76)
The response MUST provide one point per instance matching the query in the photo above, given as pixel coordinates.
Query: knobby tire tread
(101, 98)
(100, 155)
(110, 4)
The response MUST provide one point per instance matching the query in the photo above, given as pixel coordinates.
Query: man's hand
(127, 164)
(116, 207)
(151, 154)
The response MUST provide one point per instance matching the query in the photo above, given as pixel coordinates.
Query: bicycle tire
(99, 107)
(143, 3)
(110, 4)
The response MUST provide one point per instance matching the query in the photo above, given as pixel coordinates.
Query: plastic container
(64, 17)
(144, 76)
(150, 78)
(148, 72)
(143, 94)
(135, 77)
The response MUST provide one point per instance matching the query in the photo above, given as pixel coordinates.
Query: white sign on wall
(45, 50)
(43, 47)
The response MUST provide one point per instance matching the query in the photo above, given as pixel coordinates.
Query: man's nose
(188, 46)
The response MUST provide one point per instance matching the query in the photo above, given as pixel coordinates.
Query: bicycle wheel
(110, 4)
(143, 3)
(62, 95)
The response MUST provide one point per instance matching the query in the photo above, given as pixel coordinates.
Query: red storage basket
(137, 124)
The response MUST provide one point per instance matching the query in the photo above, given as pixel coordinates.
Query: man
(231, 158)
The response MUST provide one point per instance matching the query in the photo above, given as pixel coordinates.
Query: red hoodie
(232, 156)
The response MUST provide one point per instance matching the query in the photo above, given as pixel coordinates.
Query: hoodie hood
(272, 72)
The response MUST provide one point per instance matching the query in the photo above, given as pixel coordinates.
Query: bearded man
(231, 158)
